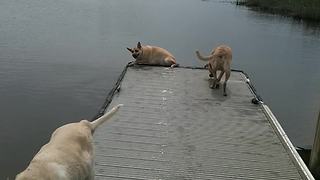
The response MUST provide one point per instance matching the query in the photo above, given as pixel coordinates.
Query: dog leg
(225, 83)
(131, 63)
(209, 67)
(168, 61)
(219, 79)
(213, 85)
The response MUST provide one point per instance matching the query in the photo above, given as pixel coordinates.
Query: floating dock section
(173, 126)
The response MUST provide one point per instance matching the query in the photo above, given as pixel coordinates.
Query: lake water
(59, 59)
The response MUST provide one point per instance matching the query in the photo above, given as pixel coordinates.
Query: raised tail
(105, 117)
(203, 58)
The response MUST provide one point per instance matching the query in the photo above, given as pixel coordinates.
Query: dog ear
(129, 49)
(139, 45)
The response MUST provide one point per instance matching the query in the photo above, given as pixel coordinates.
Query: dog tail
(105, 117)
(203, 58)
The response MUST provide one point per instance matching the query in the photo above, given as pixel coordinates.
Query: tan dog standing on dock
(152, 55)
(69, 153)
(219, 60)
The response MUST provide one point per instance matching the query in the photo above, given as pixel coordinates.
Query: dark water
(58, 60)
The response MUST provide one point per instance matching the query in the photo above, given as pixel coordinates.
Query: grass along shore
(298, 9)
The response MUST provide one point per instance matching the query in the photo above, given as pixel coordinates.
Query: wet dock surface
(173, 126)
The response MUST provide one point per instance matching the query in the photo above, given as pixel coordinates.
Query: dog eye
(135, 50)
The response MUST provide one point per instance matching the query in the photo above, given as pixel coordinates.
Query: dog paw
(217, 86)
(131, 63)
(174, 65)
(225, 94)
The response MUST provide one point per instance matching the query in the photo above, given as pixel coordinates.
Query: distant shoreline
(307, 10)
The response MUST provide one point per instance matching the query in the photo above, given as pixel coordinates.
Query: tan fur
(69, 153)
(219, 60)
(152, 55)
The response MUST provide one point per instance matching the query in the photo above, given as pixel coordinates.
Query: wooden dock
(173, 126)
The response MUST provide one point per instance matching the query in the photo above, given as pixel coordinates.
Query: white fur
(59, 169)
(69, 153)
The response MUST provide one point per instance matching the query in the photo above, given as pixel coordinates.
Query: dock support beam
(314, 163)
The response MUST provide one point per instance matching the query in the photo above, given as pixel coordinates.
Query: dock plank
(173, 126)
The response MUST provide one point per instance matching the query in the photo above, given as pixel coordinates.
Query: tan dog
(69, 153)
(152, 55)
(219, 60)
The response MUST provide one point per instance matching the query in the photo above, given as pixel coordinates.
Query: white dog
(69, 153)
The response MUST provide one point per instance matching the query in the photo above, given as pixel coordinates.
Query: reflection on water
(58, 59)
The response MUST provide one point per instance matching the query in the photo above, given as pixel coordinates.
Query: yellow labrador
(152, 55)
(69, 153)
(219, 60)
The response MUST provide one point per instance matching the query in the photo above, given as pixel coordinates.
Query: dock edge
(297, 160)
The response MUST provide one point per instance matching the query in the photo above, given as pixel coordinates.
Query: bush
(302, 9)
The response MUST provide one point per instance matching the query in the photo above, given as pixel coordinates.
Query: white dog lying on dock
(69, 153)
(152, 55)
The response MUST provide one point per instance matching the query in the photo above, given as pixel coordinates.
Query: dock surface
(173, 126)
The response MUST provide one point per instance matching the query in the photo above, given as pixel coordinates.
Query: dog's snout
(134, 55)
